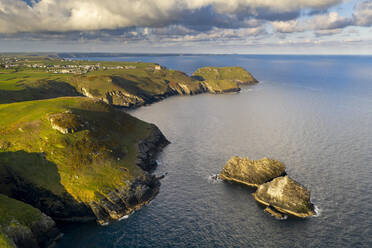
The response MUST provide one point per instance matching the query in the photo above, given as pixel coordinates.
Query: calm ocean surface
(314, 113)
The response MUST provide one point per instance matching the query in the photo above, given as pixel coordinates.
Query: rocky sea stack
(281, 194)
(252, 172)
(287, 196)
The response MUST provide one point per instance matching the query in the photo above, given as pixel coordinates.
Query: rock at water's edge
(252, 172)
(273, 212)
(286, 196)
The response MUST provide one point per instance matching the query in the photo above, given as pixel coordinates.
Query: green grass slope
(5, 242)
(23, 225)
(135, 87)
(96, 155)
(31, 84)
(224, 79)
(126, 84)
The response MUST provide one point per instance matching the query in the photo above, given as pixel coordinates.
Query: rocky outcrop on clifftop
(286, 196)
(252, 172)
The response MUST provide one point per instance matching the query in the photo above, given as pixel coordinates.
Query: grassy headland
(77, 158)
(126, 84)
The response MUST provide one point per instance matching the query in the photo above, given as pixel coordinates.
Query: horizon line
(185, 54)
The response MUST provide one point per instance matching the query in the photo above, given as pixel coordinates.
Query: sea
(313, 113)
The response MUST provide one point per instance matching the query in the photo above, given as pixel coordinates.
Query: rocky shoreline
(213, 80)
(88, 160)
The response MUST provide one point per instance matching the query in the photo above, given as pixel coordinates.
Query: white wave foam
(214, 179)
(124, 217)
(317, 211)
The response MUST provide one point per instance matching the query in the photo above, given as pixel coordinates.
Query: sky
(187, 26)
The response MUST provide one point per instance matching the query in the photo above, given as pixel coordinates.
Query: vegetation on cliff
(23, 225)
(224, 79)
(77, 172)
(126, 84)
(76, 158)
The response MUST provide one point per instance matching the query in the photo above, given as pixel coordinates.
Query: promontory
(68, 150)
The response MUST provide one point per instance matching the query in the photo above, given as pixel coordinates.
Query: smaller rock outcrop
(66, 122)
(287, 196)
(273, 212)
(121, 202)
(252, 172)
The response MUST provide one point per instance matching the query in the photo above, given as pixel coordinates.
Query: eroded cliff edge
(22, 225)
(77, 159)
(145, 84)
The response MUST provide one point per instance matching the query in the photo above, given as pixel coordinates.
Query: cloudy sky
(187, 26)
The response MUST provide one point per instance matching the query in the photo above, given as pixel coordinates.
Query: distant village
(13, 63)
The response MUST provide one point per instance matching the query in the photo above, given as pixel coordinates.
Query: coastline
(77, 117)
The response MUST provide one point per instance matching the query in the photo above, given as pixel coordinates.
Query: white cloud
(320, 23)
(73, 15)
(363, 13)
(288, 26)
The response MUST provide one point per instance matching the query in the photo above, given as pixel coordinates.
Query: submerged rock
(287, 196)
(252, 172)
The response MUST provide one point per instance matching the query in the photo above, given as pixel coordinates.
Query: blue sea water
(314, 113)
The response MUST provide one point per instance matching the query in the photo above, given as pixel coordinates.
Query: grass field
(81, 163)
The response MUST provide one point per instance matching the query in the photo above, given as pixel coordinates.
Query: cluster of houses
(75, 69)
(12, 63)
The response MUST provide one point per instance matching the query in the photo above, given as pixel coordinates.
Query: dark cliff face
(149, 148)
(116, 91)
(25, 226)
(90, 162)
(112, 206)
(122, 201)
(58, 206)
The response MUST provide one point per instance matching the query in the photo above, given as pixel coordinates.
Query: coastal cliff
(77, 159)
(219, 80)
(22, 225)
(123, 84)
(145, 85)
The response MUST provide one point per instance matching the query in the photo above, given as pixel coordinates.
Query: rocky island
(287, 196)
(252, 172)
(67, 153)
(281, 194)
